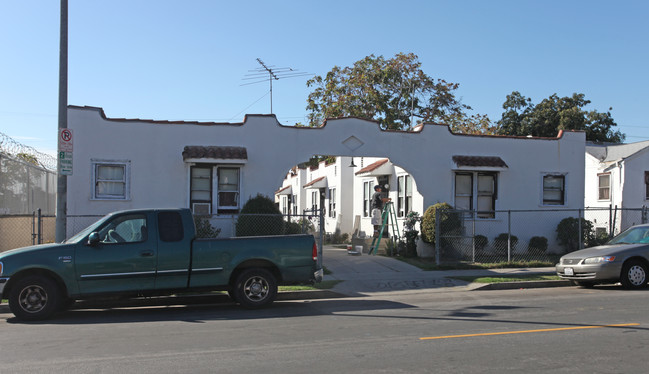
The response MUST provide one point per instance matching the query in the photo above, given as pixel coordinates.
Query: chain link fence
(23, 230)
(527, 235)
(26, 187)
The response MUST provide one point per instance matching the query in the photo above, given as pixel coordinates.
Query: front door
(123, 260)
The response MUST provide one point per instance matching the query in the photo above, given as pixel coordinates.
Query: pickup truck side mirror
(93, 239)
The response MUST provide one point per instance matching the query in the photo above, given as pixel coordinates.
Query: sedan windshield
(634, 235)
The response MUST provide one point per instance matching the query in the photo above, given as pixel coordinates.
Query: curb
(522, 285)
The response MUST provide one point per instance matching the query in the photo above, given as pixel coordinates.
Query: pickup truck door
(123, 260)
(174, 249)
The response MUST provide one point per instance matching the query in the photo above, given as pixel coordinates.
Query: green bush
(450, 222)
(538, 245)
(293, 228)
(260, 216)
(411, 243)
(500, 243)
(204, 228)
(568, 233)
(481, 242)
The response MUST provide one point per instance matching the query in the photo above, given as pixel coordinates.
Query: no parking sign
(65, 151)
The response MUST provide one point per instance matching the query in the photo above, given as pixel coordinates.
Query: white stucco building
(617, 176)
(215, 167)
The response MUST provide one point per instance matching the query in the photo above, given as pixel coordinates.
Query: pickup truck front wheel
(255, 288)
(34, 298)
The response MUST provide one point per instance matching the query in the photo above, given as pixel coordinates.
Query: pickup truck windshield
(85, 232)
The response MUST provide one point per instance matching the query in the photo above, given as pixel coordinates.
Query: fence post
(581, 242)
(509, 236)
(40, 227)
(321, 240)
(33, 228)
(610, 220)
(438, 235)
(644, 214)
(473, 217)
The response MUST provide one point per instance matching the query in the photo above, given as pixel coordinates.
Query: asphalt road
(564, 330)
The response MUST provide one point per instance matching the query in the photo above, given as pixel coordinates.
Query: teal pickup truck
(152, 252)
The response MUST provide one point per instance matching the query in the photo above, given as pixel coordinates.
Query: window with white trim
(285, 209)
(476, 191)
(604, 186)
(294, 202)
(201, 189)
(554, 189)
(315, 197)
(367, 198)
(404, 194)
(227, 189)
(214, 187)
(332, 202)
(111, 180)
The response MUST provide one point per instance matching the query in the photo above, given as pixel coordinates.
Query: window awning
(479, 161)
(288, 190)
(317, 183)
(378, 168)
(215, 154)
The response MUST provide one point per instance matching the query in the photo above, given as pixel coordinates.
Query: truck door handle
(147, 253)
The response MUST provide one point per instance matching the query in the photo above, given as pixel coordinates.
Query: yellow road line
(526, 331)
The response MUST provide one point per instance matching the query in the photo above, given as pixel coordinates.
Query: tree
(521, 117)
(389, 91)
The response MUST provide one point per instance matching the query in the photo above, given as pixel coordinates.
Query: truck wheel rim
(637, 275)
(256, 288)
(33, 299)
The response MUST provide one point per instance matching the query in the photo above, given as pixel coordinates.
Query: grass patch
(507, 278)
(324, 285)
(429, 264)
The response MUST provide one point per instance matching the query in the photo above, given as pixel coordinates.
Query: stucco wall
(160, 178)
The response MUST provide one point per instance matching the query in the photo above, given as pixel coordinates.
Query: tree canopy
(521, 117)
(395, 92)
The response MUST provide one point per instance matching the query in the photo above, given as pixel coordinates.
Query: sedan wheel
(634, 275)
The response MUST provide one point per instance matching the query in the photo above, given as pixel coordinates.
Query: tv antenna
(268, 73)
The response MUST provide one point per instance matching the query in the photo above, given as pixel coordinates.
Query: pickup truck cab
(152, 252)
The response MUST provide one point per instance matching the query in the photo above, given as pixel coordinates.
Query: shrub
(500, 243)
(293, 228)
(260, 216)
(204, 228)
(481, 242)
(538, 245)
(411, 243)
(568, 233)
(450, 222)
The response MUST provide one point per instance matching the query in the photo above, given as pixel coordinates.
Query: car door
(123, 260)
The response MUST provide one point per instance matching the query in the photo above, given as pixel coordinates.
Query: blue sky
(186, 60)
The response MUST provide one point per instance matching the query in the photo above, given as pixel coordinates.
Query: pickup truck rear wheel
(34, 298)
(255, 288)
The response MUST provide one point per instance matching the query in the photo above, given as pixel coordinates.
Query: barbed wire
(13, 148)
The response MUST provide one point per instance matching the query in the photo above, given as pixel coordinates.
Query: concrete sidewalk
(366, 275)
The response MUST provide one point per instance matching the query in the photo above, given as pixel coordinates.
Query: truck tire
(255, 288)
(34, 298)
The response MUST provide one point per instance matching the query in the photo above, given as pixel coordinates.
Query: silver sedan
(623, 259)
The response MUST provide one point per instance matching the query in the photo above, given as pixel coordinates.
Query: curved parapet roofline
(416, 130)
